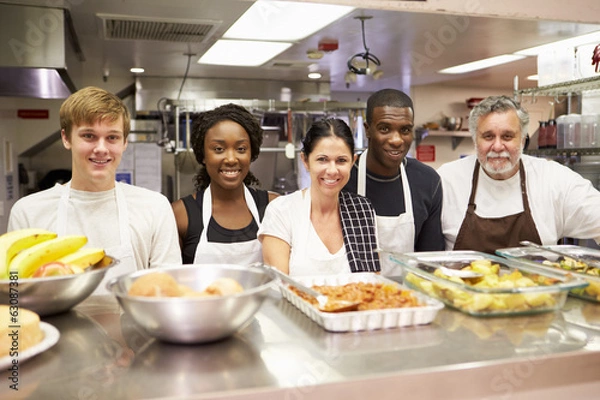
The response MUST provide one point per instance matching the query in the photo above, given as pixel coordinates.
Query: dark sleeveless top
(217, 233)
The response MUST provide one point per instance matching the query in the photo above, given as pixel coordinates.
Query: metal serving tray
(477, 299)
(536, 257)
(361, 320)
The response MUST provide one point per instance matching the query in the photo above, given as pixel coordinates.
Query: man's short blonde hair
(90, 105)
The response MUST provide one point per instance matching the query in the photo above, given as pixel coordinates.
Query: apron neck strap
(207, 209)
(122, 211)
(471, 207)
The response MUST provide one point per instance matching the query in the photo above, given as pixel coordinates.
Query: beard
(495, 169)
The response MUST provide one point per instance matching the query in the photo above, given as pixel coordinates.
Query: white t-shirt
(288, 218)
(562, 203)
(152, 226)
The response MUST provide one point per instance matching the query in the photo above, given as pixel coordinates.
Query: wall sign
(33, 114)
(426, 153)
(125, 177)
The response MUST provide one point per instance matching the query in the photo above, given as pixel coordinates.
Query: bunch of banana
(83, 258)
(12, 243)
(30, 250)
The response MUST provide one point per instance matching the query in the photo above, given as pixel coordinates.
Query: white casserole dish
(352, 321)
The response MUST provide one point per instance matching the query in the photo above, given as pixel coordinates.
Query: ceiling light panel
(284, 20)
(589, 38)
(244, 53)
(481, 64)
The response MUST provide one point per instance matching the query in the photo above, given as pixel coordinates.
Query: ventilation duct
(119, 27)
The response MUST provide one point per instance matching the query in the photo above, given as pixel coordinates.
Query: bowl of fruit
(46, 273)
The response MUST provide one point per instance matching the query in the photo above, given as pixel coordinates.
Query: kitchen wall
(31, 131)
(433, 102)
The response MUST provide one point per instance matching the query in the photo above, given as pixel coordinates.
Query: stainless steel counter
(282, 354)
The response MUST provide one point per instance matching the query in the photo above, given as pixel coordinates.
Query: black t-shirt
(387, 196)
(217, 233)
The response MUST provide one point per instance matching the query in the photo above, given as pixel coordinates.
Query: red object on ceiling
(328, 45)
(473, 101)
(596, 58)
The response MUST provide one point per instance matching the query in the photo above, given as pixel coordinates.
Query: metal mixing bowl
(54, 294)
(452, 123)
(195, 319)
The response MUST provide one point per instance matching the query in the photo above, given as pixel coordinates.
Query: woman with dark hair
(218, 223)
(322, 230)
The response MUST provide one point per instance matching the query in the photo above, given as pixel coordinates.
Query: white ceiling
(412, 46)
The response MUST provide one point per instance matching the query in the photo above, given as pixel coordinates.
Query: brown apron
(488, 234)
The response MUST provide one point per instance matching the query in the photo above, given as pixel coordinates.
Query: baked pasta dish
(370, 296)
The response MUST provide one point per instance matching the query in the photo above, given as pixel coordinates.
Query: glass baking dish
(547, 259)
(506, 287)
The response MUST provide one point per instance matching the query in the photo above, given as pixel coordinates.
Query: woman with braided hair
(218, 223)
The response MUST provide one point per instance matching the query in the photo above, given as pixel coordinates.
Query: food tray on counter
(546, 259)
(352, 321)
(540, 290)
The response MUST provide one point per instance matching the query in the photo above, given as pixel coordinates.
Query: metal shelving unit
(457, 136)
(563, 152)
(562, 89)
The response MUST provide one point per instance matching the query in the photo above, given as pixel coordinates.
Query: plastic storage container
(561, 123)
(552, 261)
(590, 130)
(517, 287)
(573, 131)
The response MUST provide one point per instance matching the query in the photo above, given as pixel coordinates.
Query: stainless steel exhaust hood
(33, 52)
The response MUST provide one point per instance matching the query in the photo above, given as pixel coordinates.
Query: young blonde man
(133, 224)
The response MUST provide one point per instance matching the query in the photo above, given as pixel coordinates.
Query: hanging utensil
(588, 262)
(290, 150)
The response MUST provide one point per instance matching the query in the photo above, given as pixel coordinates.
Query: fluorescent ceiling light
(315, 75)
(589, 38)
(481, 64)
(243, 53)
(284, 20)
(136, 70)
(533, 77)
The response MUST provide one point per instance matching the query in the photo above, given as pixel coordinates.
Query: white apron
(393, 233)
(122, 252)
(304, 260)
(242, 253)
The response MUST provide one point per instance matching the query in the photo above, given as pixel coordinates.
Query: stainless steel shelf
(563, 152)
(456, 136)
(564, 88)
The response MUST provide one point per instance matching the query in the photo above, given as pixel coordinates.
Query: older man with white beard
(499, 196)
